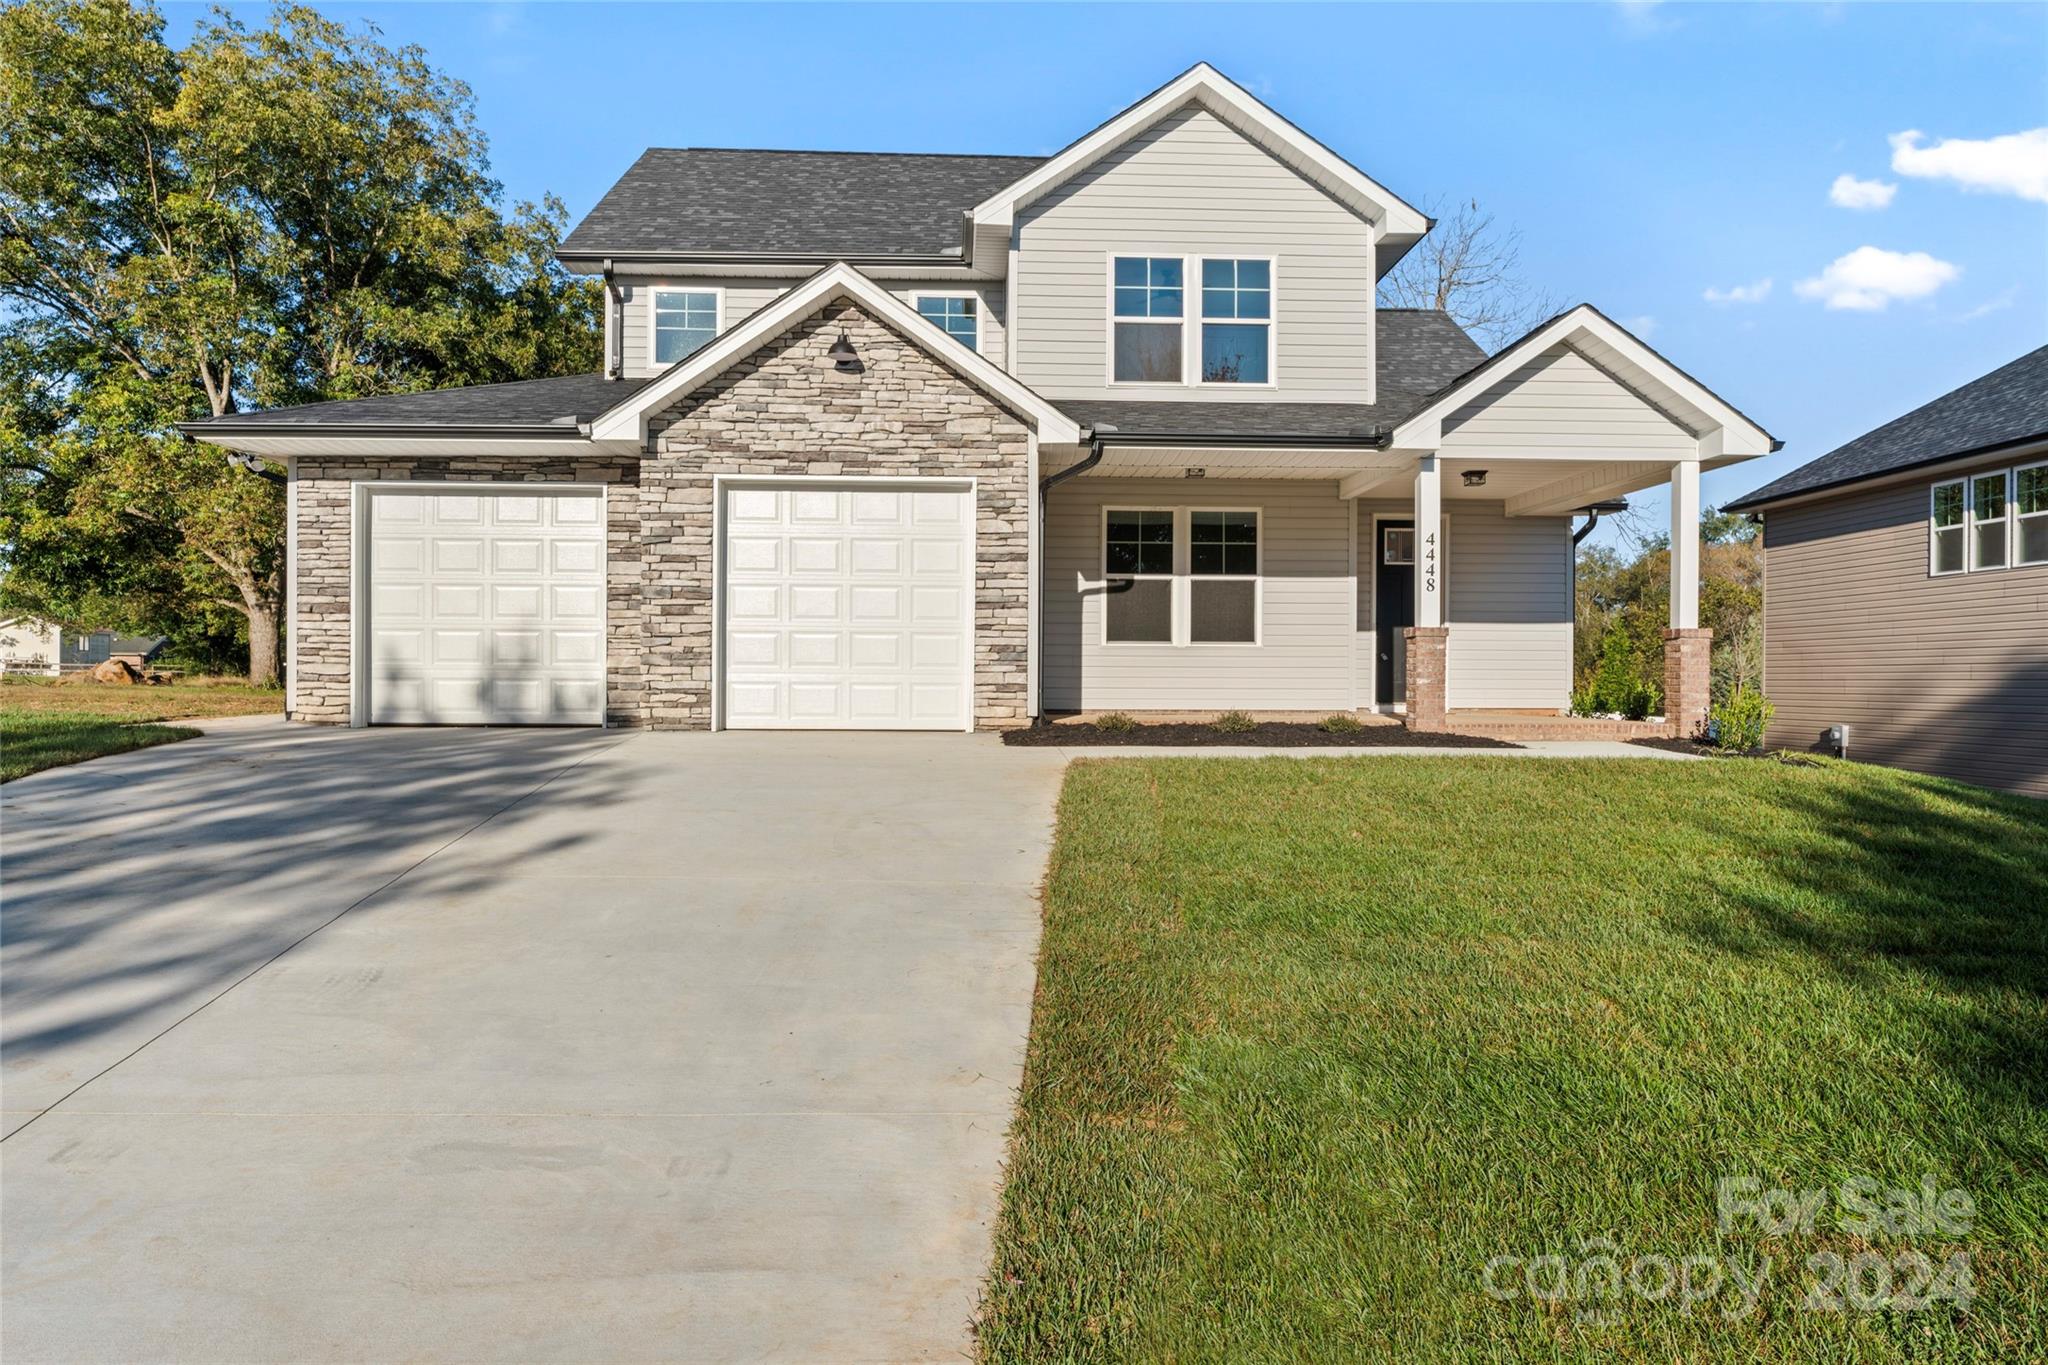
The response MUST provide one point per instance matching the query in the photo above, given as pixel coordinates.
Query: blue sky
(1648, 152)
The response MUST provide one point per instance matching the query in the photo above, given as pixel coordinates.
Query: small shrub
(1342, 724)
(1115, 722)
(1740, 721)
(1585, 702)
(1234, 723)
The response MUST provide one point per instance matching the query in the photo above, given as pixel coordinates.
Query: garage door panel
(858, 615)
(486, 608)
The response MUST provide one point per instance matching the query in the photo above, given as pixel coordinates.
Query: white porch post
(1429, 520)
(1685, 545)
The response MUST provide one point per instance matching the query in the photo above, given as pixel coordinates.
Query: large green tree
(265, 216)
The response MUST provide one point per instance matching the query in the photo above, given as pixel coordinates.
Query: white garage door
(848, 608)
(486, 608)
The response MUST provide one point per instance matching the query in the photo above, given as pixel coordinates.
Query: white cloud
(1642, 324)
(1740, 293)
(2016, 163)
(1869, 278)
(1995, 304)
(1640, 18)
(1850, 193)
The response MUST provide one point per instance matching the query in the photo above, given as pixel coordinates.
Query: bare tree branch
(1470, 267)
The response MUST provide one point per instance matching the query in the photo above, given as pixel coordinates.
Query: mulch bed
(1266, 734)
(1693, 746)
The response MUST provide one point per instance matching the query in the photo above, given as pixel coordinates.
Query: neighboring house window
(1947, 518)
(1180, 577)
(1237, 327)
(684, 319)
(1137, 559)
(2030, 508)
(1987, 521)
(954, 315)
(1223, 577)
(1148, 313)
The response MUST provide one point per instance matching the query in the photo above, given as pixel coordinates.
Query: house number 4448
(1429, 562)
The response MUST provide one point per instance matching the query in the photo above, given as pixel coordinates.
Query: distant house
(28, 645)
(87, 649)
(1906, 587)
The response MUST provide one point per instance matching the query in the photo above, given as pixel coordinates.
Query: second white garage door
(486, 607)
(848, 608)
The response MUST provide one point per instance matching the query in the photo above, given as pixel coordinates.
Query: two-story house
(945, 442)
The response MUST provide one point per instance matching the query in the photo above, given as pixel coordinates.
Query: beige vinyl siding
(1560, 399)
(744, 295)
(1943, 675)
(1508, 603)
(1304, 661)
(1194, 185)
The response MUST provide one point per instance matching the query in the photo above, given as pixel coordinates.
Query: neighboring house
(940, 442)
(1906, 587)
(28, 645)
(90, 648)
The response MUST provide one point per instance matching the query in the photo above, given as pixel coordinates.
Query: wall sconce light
(844, 358)
(1475, 478)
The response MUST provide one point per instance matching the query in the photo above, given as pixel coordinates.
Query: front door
(1393, 607)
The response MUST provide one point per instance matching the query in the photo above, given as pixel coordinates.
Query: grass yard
(45, 723)
(1316, 1041)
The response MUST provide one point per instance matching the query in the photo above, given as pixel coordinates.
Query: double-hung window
(957, 315)
(684, 319)
(2030, 514)
(1149, 319)
(1237, 321)
(1993, 520)
(1180, 576)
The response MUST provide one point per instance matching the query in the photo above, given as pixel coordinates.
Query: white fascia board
(338, 439)
(628, 421)
(1229, 101)
(1731, 436)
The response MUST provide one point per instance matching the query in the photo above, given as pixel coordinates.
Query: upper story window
(1149, 317)
(957, 315)
(684, 319)
(1237, 326)
(1991, 520)
(1150, 320)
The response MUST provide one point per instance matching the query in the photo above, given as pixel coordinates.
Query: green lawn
(1317, 1040)
(45, 723)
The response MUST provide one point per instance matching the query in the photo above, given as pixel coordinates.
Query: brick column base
(1426, 650)
(1686, 676)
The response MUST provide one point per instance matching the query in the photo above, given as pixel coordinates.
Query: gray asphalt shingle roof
(692, 200)
(1420, 353)
(564, 400)
(2009, 404)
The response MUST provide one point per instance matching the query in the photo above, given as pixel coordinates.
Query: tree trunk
(265, 653)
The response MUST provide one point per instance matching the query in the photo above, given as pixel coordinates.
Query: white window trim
(918, 296)
(655, 291)
(1272, 321)
(2012, 504)
(1183, 577)
(1962, 526)
(1190, 318)
(1971, 523)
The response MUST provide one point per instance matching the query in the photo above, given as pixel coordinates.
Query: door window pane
(1399, 545)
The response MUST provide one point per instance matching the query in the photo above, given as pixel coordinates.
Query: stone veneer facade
(786, 409)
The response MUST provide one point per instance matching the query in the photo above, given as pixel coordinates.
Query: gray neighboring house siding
(1945, 675)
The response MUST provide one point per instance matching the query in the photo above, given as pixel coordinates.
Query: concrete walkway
(473, 1045)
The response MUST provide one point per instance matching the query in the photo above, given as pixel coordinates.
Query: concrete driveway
(539, 1044)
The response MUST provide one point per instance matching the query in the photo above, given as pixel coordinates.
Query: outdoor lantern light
(842, 355)
(1475, 478)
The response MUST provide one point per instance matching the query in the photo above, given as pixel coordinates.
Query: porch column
(1428, 638)
(1687, 648)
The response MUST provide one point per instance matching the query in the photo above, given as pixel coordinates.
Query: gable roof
(628, 420)
(1613, 348)
(1418, 352)
(709, 201)
(1401, 223)
(2006, 407)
